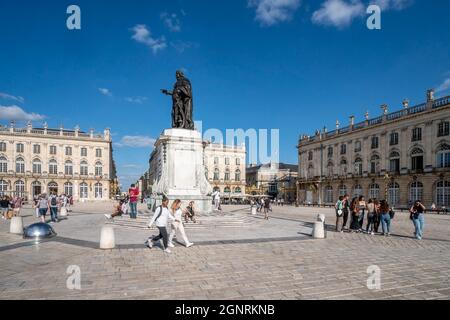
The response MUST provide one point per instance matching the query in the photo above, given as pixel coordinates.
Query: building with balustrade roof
(43, 160)
(401, 156)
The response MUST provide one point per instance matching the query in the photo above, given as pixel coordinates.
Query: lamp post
(386, 185)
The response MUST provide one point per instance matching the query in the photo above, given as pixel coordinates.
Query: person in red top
(133, 193)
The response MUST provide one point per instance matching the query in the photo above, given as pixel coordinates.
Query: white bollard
(63, 212)
(321, 218)
(107, 239)
(254, 211)
(16, 226)
(318, 230)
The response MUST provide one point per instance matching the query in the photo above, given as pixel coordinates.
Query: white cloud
(338, 13)
(136, 142)
(18, 114)
(392, 4)
(143, 35)
(171, 21)
(138, 100)
(105, 92)
(11, 97)
(270, 12)
(444, 86)
(181, 46)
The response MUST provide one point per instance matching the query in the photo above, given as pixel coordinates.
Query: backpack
(53, 201)
(160, 212)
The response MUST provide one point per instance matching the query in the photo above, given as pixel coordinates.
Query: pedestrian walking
(339, 206)
(377, 217)
(43, 206)
(160, 219)
(53, 205)
(177, 224)
(216, 199)
(418, 218)
(385, 217)
(266, 208)
(133, 193)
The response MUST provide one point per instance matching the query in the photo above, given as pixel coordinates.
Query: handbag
(340, 212)
(392, 214)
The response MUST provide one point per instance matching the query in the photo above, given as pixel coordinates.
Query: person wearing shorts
(43, 207)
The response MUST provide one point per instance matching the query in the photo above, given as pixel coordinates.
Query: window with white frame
(37, 166)
(98, 153)
(443, 156)
(443, 193)
(3, 187)
(329, 197)
(374, 191)
(20, 148)
(393, 193)
(53, 167)
(98, 189)
(20, 165)
(3, 165)
(36, 149)
(83, 190)
(83, 168)
(415, 191)
(52, 150)
(83, 152)
(68, 168)
(20, 188)
(98, 169)
(68, 189)
(2, 147)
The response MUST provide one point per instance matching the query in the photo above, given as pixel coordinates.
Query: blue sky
(296, 65)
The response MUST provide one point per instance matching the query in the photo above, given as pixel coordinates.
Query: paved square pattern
(235, 256)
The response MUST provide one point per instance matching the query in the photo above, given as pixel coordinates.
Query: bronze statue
(181, 102)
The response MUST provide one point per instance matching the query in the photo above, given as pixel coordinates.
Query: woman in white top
(177, 225)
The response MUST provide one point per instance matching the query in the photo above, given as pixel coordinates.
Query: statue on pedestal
(182, 105)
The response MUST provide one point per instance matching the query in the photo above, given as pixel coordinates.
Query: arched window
(36, 188)
(417, 159)
(216, 174)
(20, 165)
(98, 169)
(342, 190)
(375, 164)
(443, 156)
(216, 189)
(83, 190)
(53, 167)
(443, 193)
(237, 190)
(20, 188)
(394, 162)
(393, 193)
(37, 166)
(237, 175)
(227, 174)
(3, 187)
(3, 165)
(358, 167)
(415, 191)
(68, 189)
(374, 191)
(68, 168)
(329, 197)
(98, 190)
(227, 190)
(83, 168)
(53, 187)
(357, 190)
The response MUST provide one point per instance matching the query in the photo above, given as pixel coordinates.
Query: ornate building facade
(401, 156)
(277, 180)
(41, 160)
(225, 168)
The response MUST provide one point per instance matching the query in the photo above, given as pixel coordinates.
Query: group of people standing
(53, 203)
(8, 204)
(173, 215)
(375, 212)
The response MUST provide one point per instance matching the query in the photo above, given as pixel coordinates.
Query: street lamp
(386, 185)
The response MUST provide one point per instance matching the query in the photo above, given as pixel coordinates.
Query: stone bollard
(107, 239)
(321, 218)
(318, 230)
(16, 226)
(254, 211)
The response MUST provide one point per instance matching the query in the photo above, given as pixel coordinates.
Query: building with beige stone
(401, 156)
(225, 168)
(43, 160)
(277, 180)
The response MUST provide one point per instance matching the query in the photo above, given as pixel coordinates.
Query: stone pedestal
(178, 170)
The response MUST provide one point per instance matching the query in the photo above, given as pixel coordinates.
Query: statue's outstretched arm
(167, 92)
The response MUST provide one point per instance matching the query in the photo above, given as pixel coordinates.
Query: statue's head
(179, 74)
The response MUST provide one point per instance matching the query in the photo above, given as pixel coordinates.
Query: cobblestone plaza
(235, 256)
